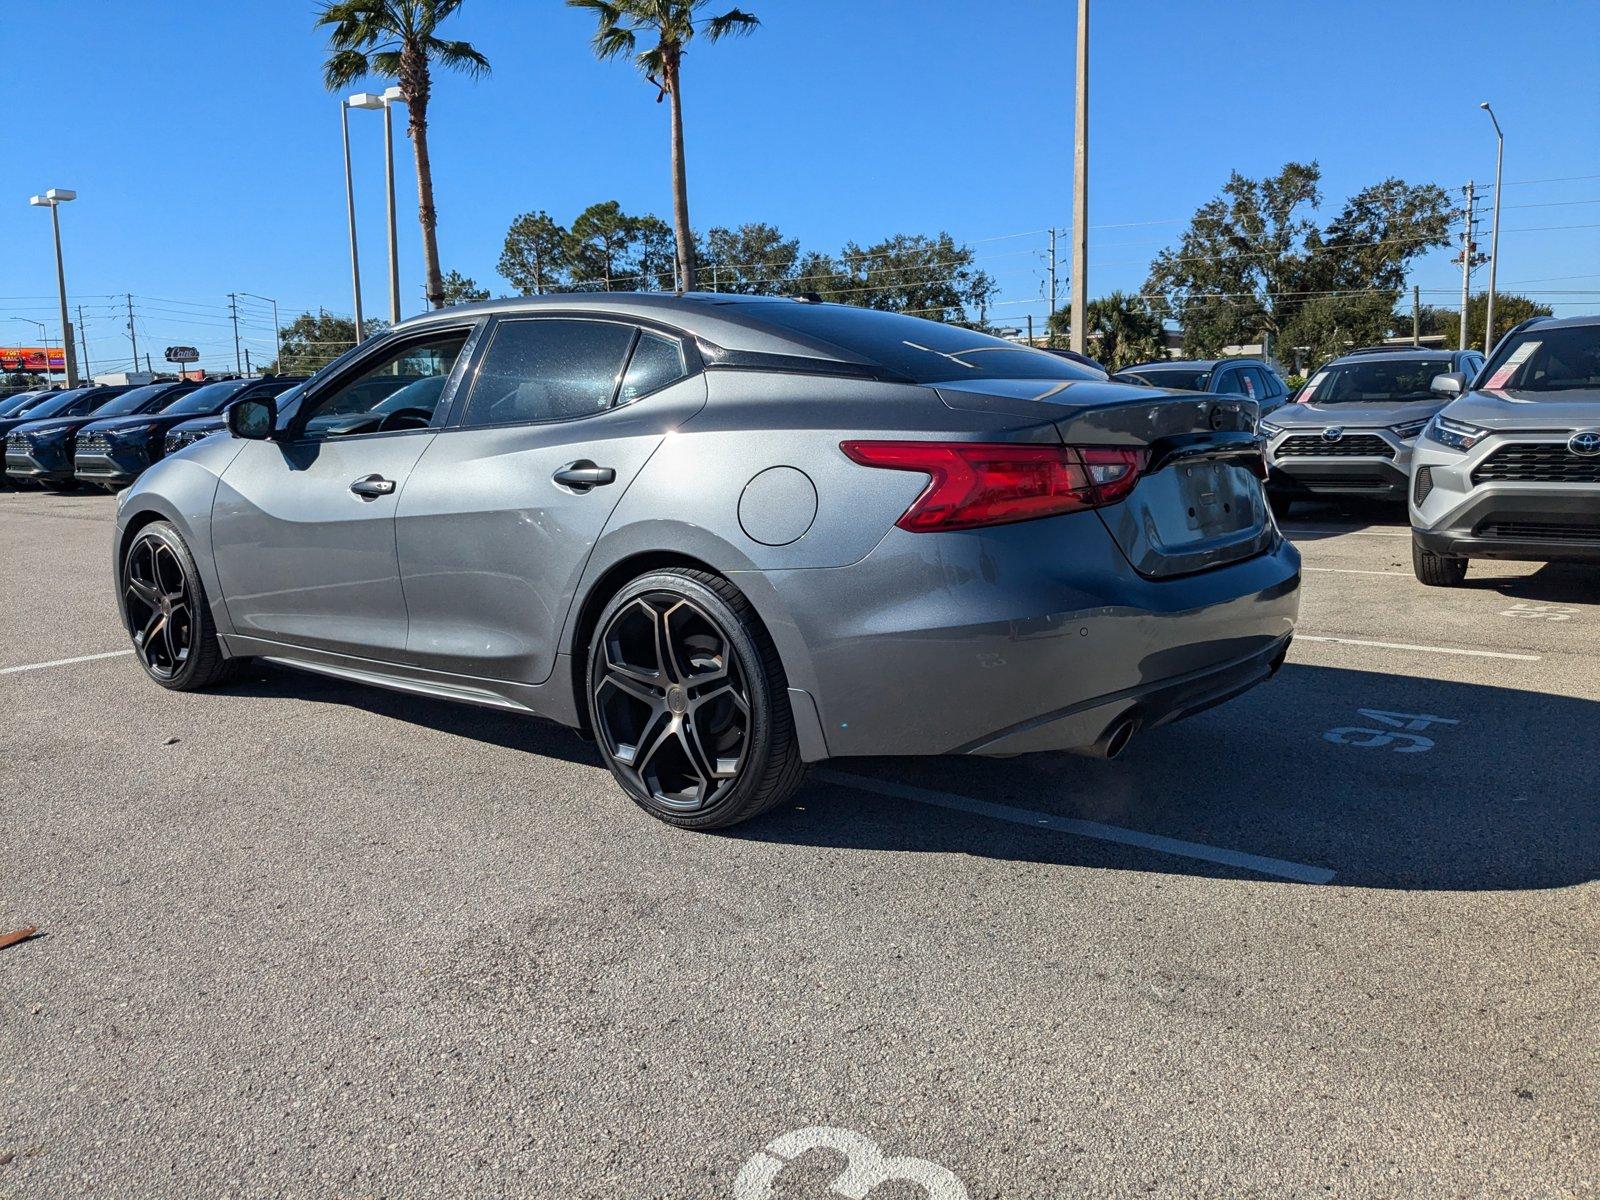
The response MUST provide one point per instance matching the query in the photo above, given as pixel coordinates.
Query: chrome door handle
(370, 487)
(582, 475)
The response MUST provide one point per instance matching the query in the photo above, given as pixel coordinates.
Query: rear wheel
(1437, 570)
(689, 701)
(164, 608)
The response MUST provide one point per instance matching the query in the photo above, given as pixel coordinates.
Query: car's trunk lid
(1199, 503)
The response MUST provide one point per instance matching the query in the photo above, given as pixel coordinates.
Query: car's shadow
(1315, 520)
(1449, 786)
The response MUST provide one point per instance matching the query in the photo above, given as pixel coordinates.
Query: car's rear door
(303, 529)
(503, 509)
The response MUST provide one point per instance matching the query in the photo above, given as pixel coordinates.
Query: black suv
(114, 451)
(42, 450)
(1247, 377)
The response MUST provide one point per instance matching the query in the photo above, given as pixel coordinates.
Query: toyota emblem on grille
(1586, 443)
(1333, 434)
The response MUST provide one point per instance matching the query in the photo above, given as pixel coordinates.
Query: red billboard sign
(31, 358)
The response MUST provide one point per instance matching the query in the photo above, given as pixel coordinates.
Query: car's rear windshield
(1548, 360)
(917, 350)
(1187, 379)
(1392, 381)
(208, 399)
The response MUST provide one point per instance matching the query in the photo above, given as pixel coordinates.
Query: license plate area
(1191, 514)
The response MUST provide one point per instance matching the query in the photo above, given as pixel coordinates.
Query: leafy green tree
(671, 25)
(1326, 326)
(1509, 310)
(534, 258)
(1251, 257)
(462, 289)
(1121, 330)
(313, 340)
(754, 259)
(20, 381)
(930, 277)
(654, 254)
(599, 247)
(399, 39)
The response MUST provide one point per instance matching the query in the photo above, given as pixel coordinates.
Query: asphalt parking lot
(1338, 937)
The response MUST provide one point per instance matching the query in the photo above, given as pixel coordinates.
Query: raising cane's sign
(31, 358)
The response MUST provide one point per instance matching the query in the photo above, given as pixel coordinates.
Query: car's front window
(1548, 360)
(131, 402)
(400, 391)
(1375, 382)
(55, 405)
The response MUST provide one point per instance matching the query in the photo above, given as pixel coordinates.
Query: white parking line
(1343, 641)
(63, 662)
(1277, 867)
(1353, 571)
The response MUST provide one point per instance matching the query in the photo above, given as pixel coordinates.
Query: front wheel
(689, 701)
(1437, 570)
(164, 609)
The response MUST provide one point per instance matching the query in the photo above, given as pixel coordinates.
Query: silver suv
(1511, 469)
(1352, 426)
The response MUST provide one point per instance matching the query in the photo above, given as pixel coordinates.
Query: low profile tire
(1437, 570)
(689, 702)
(1281, 504)
(165, 611)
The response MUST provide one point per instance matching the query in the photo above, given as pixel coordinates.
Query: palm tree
(397, 38)
(673, 24)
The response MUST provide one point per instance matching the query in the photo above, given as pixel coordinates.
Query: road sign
(182, 354)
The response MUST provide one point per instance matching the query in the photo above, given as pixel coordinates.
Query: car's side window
(1233, 384)
(657, 361)
(548, 369)
(398, 391)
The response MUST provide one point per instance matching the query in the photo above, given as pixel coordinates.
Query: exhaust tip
(1116, 739)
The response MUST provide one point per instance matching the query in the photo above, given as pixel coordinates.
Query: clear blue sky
(206, 152)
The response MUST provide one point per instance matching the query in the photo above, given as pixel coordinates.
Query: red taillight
(993, 483)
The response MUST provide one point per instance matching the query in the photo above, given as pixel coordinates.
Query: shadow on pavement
(1451, 786)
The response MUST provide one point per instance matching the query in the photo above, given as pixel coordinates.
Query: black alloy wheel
(164, 609)
(685, 705)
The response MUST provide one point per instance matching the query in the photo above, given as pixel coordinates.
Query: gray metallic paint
(472, 582)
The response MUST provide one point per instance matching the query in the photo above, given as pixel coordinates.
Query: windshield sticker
(1311, 388)
(1506, 370)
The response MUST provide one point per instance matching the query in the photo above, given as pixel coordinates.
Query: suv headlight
(1456, 435)
(1268, 428)
(1409, 430)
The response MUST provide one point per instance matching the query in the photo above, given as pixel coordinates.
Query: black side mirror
(1451, 383)
(255, 418)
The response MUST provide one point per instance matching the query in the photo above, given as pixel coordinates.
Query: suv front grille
(1537, 462)
(93, 443)
(1548, 531)
(1352, 445)
(18, 442)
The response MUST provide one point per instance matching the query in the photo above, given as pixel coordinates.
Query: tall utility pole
(1080, 189)
(277, 331)
(1416, 315)
(1050, 327)
(391, 97)
(132, 335)
(233, 311)
(1468, 220)
(1494, 233)
(83, 343)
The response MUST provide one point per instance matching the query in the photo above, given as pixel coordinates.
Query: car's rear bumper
(1036, 636)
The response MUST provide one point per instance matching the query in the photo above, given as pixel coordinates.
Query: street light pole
(350, 212)
(1494, 235)
(277, 332)
(391, 97)
(1080, 190)
(52, 200)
